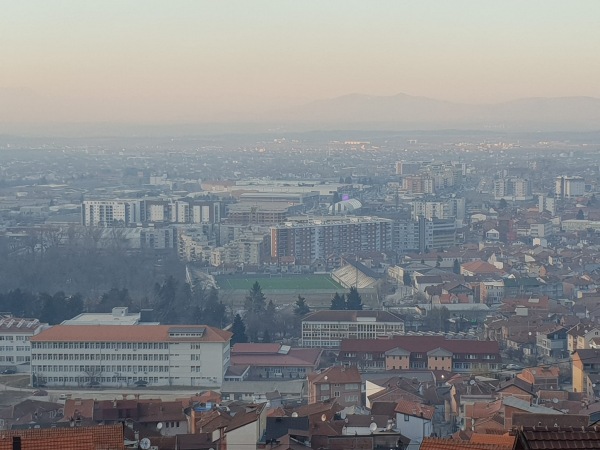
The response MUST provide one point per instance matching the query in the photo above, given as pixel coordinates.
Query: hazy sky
(186, 60)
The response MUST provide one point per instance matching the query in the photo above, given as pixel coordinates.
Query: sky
(181, 61)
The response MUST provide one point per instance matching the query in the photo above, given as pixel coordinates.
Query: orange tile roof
(453, 444)
(126, 333)
(415, 409)
(505, 440)
(108, 437)
(336, 374)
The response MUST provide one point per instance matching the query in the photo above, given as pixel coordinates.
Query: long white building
(123, 355)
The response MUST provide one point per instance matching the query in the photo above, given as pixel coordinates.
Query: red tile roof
(415, 409)
(336, 374)
(419, 344)
(539, 438)
(127, 333)
(453, 444)
(306, 357)
(109, 437)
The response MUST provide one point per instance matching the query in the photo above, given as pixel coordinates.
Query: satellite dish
(324, 417)
(159, 426)
(145, 444)
(472, 382)
(373, 427)
(294, 414)
(343, 414)
(326, 378)
(554, 400)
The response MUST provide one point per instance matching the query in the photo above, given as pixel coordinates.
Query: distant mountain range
(409, 112)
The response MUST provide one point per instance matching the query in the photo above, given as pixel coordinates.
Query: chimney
(193, 421)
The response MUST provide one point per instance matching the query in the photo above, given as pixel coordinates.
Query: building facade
(126, 355)
(15, 346)
(326, 329)
(310, 239)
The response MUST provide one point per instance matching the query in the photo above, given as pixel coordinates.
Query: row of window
(18, 337)
(100, 357)
(99, 369)
(12, 359)
(10, 348)
(102, 345)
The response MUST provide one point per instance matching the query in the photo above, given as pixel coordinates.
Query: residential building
(512, 189)
(421, 352)
(15, 346)
(415, 421)
(123, 355)
(581, 336)
(552, 343)
(326, 329)
(585, 371)
(450, 208)
(310, 239)
(569, 187)
(340, 383)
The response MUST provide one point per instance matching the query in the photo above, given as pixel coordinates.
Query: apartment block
(15, 346)
(307, 240)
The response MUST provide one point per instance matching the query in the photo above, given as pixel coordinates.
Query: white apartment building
(15, 348)
(569, 187)
(451, 208)
(326, 329)
(107, 213)
(123, 355)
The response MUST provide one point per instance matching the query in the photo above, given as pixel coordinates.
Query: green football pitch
(296, 282)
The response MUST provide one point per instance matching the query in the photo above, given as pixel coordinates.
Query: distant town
(287, 291)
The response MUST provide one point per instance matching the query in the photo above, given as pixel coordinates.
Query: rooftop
(352, 316)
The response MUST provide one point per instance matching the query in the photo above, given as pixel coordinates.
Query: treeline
(52, 309)
(173, 302)
(72, 260)
(262, 321)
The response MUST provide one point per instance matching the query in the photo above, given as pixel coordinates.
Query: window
(406, 417)
(336, 394)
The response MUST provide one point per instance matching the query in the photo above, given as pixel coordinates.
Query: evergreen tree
(502, 204)
(439, 260)
(354, 300)
(580, 215)
(239, 331)
(214, 311)
(456, 267)
(338, 302)
(266, 337)
(301, 309)
(255, 300)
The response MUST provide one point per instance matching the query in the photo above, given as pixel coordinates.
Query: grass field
(295, 282)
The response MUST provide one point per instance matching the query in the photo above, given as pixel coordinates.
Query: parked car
(9, 371)
(513, 367)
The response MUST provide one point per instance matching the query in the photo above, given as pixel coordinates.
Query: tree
(266, 337)
(354, 300)
(456, 267)
(439, 260)
(437, 319)
(406, 279)
(255, 300)
(502, 204)
(239, 331)
(338, 302)
(580, 215)
(301, 309)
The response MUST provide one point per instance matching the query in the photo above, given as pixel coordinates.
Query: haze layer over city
(287, 225)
